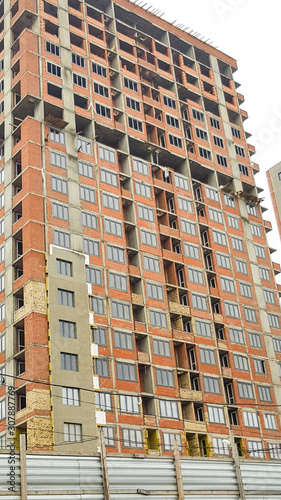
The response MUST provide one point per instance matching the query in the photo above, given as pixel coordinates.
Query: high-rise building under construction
(137, 289)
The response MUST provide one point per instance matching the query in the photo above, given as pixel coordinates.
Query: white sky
(248, 31)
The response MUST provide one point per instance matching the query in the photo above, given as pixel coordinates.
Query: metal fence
(55, 477)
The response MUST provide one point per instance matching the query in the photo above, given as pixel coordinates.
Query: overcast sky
(249, 31)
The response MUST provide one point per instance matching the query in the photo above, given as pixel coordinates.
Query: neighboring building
(133, 250)
(274, 182)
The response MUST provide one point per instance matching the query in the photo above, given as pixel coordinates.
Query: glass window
(169, 439)
(123, 340)
(60, 211)
(207, 356)
(157, 318)
(185, 205)
(69, 361)
(237, 244)
(118, 281)
(64, 267)
(264, 393)
(188, 227)
(59, 185)
(215, 215)
(93, 275)
(245, 390)
(216, 415)
(260, 251)
(219, 238)
(151, 263)
(129, 404)
(143, 189)
(236, 335)
(120, 310)
(250, 419)
(203, 328)
(148, 238)
(199, 302)
(255, 449)
(85, 169)
(241, 266)
(154, 291)
(102, 367)
(65, 297)
(132, 438)
(250, 315)
(211, 384)
(116, 254)
(87, 194)
(165, 377)
(72, 432)
(57, 159)
(168, 409)
(56, 136)
(113, 227)
(126, 371)
(99, 335)
(161, 348)
(191, 251)
(84, 145)
(61, 238)
(241, 362)
(106, 154)
(145, 213)
(97, 305)
(181, 182)
(109, 177)
(270, 421)
(91, 247)
(260, 366)
(212, 194)
(70, 396)
(89, 220)
(140, 166)
(228, 285)
(274, 320)
(67, 329)
(103, 401)
(246, 290)
(255, 340)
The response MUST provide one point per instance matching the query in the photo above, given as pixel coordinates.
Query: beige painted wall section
(81, 345)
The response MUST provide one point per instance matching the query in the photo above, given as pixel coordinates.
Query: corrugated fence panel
(138, 496)
(222, 496)
(5, 469)
(208, 475)
(137, 473)
(71, 496)
(261, 477)
(63, 473)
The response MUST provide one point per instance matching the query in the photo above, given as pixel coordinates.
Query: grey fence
(56, 477)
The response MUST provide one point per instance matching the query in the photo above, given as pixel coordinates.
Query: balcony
(276, 267)
(191, 395)
(169, 231)
(143, 357)
(218, 318)
(137, 298)
(176, 308)
(244, 114)
(267, 225)
(199, 427)
(134, 270)
(226, 372)
(149, 420)
(255, 167)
